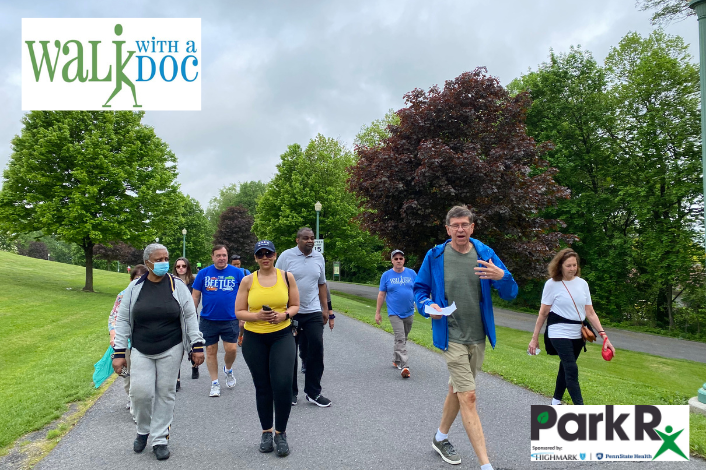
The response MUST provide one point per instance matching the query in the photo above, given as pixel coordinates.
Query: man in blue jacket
(462, 270)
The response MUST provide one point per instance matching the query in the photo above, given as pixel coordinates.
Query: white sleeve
(588, 293)
(548, 294)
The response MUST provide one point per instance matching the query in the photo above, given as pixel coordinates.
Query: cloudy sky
(279, 72)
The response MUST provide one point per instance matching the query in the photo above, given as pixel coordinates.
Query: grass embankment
(631, 378)
(52, 333)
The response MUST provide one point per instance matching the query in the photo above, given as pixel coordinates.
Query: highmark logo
(637, 433)
(111, 64)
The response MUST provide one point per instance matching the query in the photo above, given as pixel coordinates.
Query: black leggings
(270, 358)
(568, 375)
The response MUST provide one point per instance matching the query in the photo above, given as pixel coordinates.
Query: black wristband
(331, 316)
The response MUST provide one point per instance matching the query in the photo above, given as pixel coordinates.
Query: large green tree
(305, 176)
(655, 95)
(244, 194)
(88, 177)
(570, 108)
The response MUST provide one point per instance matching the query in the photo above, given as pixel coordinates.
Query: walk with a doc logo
(111, 64)
(610, 433)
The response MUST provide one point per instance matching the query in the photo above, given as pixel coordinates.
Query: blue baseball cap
(266, 244)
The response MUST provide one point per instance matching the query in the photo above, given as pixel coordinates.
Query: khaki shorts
(464, 361)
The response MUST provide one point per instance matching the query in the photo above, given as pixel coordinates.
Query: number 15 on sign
(319, 246)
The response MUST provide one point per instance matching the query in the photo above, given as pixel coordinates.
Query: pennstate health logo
(611, 433)
(110, 64)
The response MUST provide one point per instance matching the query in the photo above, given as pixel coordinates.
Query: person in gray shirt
(307, 266)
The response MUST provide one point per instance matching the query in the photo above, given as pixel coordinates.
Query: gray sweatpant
(153, 378)
(401, 328)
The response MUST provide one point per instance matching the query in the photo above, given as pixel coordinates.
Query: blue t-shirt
(218, 287)
(400, 292)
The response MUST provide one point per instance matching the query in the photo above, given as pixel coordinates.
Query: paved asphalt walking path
(622, 339)
(377, 421)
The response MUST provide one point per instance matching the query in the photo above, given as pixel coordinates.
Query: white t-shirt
(556, 296)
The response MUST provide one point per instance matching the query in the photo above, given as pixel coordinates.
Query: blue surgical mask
(161, 268)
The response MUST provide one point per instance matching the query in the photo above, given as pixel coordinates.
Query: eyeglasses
(397, 259)
(459, 226)
(181, 266)
(264, 253)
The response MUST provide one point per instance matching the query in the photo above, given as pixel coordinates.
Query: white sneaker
(230, 379)
(215, 390)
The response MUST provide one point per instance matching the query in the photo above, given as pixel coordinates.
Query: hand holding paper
(446, 311)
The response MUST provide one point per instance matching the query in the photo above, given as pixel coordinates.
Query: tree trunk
(669, 307)
(88, 252)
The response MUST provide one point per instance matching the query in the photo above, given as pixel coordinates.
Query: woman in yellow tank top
(267, 299)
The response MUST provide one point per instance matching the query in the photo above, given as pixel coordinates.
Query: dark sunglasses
(181, 266)
(264, 253)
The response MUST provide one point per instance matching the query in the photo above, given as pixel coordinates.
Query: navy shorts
(211, 330)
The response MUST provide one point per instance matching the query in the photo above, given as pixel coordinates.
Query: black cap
(234, 257)
(266, 244)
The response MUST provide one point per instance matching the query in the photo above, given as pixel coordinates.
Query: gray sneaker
(446, 451)
(230, 379)
(215, 390)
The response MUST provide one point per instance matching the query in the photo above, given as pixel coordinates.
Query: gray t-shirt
(462, 285)
(309, 273)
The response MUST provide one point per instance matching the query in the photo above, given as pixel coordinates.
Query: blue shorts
(211, 330)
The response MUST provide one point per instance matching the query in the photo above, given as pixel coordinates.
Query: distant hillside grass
(52, 333)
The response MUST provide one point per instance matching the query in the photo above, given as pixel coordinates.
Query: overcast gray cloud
(277, 73)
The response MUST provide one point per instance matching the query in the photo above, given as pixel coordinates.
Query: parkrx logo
(111, 64)
(641, 432)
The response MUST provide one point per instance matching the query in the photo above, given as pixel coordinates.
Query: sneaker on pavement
(320, 400)
(405, 373)
(266, 442)
(395, 365)
(446, 451)
(294, 400)
(161, 451)
(215, 390)
(194, 372)
(230, 379)
(281, 443)
(140, 443)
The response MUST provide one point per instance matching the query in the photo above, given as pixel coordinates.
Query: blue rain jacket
(429, 289)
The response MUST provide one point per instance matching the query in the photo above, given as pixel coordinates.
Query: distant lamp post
(183, 246)
(317, 208)
(699, 7)
(156, 240)
(48, 256)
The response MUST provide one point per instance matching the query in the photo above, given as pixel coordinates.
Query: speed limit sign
(319, 245)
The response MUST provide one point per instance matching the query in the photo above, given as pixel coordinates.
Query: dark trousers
(568, 375)
(310, 338)
(270, 357)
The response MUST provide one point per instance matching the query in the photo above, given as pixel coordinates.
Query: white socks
(556, 402)
(440, 436)
(486, 467)
(215, 382)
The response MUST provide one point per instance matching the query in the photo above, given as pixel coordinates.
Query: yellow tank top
(275, 296)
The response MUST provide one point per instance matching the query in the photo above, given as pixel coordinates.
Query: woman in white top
(566, 303)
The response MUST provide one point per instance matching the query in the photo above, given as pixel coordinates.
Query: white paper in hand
(446, 311)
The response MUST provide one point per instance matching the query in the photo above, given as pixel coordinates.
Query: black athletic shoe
(161, 451)
(194, 372)
(320, 400)
(266, 442)
(282, 446)
(140, 443)
(294, 400)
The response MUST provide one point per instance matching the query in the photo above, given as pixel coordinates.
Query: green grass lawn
(631, 378)
(52, 333)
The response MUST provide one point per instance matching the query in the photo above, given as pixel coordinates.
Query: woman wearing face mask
(266, 300)
(157, 314)
(566, 303)
(182, 270)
